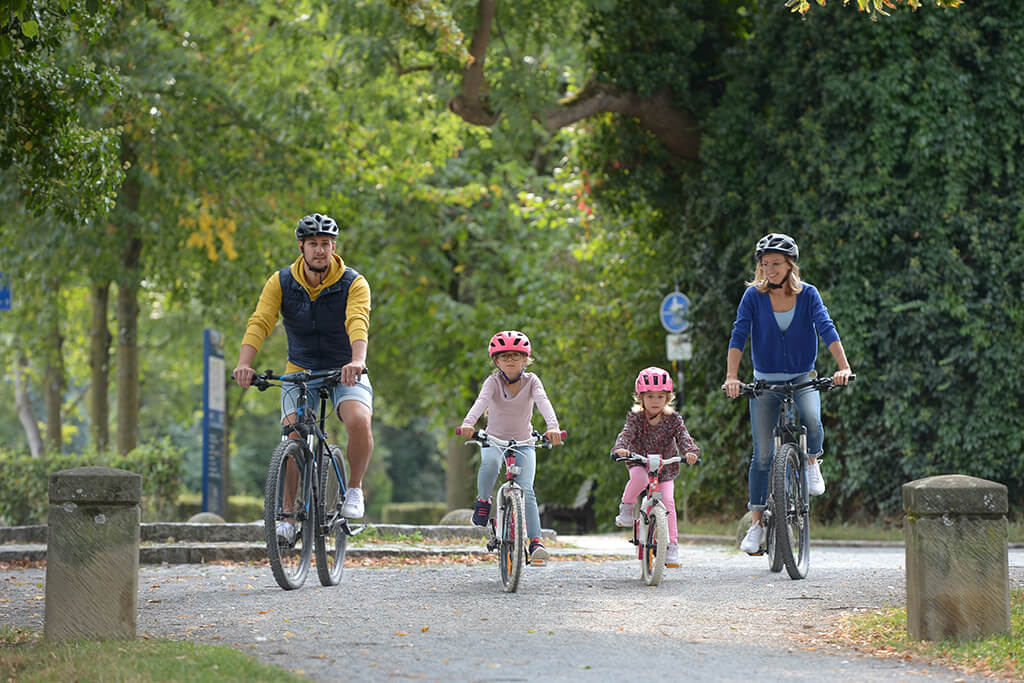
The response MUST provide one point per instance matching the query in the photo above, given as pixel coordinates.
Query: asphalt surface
(722, 616)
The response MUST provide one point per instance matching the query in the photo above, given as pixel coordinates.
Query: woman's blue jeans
(490, 464)
(764, 414)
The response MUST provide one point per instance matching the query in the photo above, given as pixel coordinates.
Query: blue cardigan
(773, 351)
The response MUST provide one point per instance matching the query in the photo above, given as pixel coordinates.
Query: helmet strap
(772, 285)
(507, 380)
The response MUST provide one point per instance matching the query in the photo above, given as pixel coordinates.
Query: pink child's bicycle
(650, 517)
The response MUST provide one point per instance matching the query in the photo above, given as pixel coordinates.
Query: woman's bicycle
(306, 487)
(787, 514)
(650, 517)
(506, 530)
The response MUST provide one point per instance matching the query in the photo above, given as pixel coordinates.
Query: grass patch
(883, 633)
(25, 656)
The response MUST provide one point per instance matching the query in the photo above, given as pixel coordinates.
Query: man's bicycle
(786, 518)
(650, 517)
(506, 530)
(306, 487)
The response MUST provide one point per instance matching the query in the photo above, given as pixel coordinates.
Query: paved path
(721, 617)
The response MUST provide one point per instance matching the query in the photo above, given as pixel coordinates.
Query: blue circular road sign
(675, 309)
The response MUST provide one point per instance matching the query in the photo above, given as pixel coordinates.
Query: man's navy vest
(316, 329)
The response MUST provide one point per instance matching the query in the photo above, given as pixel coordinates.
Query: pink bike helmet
(653, 379)
(509, 340)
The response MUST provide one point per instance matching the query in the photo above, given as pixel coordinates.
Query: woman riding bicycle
(783, 317)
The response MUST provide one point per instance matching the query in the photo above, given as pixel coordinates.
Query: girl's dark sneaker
(481, 511)
(538, 554)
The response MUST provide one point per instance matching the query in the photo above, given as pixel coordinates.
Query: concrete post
(92, 555)
(957, 559)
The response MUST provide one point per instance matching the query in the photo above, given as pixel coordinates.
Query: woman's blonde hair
(638, 404)
(792, 285)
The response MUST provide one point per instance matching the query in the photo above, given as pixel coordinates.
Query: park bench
(577, 517)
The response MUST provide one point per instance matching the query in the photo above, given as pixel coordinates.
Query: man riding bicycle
(326, 310)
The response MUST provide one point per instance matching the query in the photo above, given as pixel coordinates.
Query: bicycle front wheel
(655, 546)
(283, 502)
(331, 539)
(790, 511)
(512, 551)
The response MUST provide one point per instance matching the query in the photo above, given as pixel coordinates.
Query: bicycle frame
(649, 498)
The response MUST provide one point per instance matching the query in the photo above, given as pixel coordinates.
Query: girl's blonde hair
(792, 285)
(638, 404)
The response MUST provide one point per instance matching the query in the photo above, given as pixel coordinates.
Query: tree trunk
(23, 405)
(128, 308)
(53, 377)
(99, 364)
(459, 479)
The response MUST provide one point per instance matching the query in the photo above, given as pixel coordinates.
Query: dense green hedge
(413, 513)
(891, 151)
(24, 480)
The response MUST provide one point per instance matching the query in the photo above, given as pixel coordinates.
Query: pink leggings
(638, 482)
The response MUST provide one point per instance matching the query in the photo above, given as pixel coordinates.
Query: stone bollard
(957, 559)
(92, 554)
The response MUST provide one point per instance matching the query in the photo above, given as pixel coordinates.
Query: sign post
(5, 293)
(214, 494)
(674, 314)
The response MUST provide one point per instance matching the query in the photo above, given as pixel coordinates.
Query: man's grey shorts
(362, 392)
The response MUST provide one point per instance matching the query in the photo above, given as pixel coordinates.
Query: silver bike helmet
(316, 224)
(776, 241)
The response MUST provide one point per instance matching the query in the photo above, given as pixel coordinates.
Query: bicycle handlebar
(637, 457)
(482, 438)
(754, 389)
(262, 381)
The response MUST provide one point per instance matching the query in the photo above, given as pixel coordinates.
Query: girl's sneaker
(481, 512)
(672, 555)
(625, 517)
(754, 539)
(538, 554)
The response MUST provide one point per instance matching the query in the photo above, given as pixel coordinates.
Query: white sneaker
(285, 531)
(754, 539)
(672, 555)
(625, 517)
(815, 482)
(353, 507)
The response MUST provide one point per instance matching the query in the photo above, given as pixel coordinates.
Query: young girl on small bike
(508, 397)
(653, 426)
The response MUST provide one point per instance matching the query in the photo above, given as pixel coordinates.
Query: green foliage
(24, 480)
(413, 513)
(900, 181)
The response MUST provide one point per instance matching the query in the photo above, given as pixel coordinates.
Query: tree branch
(676, 128)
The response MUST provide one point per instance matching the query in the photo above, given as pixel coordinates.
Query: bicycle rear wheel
(655, 546)
(792, 523)
(512, 552)
(289, 560)
(331, 539)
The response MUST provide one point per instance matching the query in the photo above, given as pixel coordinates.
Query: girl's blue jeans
(764, 414)
(490, 464)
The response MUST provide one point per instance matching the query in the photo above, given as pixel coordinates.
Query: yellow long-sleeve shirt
(268, 308)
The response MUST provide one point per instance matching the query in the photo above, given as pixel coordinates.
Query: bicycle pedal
(672, 566)
(759, 553)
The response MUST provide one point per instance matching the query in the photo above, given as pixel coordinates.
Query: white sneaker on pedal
(286, 531)
(815, 482)
(625, 517)
(672, 555)
(754, 539)
(353, 507)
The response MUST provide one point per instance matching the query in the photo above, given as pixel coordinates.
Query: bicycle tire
(652, 558)
(289, 562)
(775, 562)
(331, 539)
(512, 552)
(792, 523)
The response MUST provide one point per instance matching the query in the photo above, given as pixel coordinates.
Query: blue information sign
(214, 495)
(5, 293)
(675, 310)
